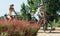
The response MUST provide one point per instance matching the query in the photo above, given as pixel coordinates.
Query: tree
(59, 5)
(33, 4)
(25, 12)
(26, 9)
(51, 6)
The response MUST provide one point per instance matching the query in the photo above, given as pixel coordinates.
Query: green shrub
(55, 24)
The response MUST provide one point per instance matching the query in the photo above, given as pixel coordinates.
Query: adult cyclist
(11, 10)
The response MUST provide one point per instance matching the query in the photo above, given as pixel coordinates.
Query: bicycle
(12, 17)
(47, 26)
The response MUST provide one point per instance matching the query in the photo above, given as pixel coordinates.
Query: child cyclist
(33, 15)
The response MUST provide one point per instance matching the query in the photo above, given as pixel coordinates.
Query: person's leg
(9, 18)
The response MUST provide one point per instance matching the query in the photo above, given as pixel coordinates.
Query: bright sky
(4, 5)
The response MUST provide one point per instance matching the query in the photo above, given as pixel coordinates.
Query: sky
(4, 5)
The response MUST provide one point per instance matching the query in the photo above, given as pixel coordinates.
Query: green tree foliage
(25, 12)
(51, 6)
(33, 4)
(59, 5)
(26, 9)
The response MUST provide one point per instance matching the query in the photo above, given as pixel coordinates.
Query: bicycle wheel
(47, 27)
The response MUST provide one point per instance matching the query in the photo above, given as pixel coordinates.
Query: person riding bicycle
(40, 13)
(11, 10)
(10, 16)
(33, 15)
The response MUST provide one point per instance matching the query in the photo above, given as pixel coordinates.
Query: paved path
(54, 33)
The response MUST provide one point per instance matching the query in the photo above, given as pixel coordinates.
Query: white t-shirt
(32, 15)
(12, 13)
(37, 13)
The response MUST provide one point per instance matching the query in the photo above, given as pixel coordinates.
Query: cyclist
(33, 15)
(11, 10)
(10, 15)
(40, 13)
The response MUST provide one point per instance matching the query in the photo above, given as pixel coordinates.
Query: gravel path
(53, 33)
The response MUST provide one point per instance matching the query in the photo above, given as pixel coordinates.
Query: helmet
(33, 10)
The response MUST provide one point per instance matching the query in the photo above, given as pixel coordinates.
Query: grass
(56, 24)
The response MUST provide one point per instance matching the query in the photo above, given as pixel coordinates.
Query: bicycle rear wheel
(47, 27)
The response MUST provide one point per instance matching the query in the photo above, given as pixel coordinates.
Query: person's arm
(15, 11)
(39, 12)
